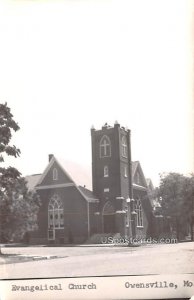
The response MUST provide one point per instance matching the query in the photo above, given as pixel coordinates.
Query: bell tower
(112, 175)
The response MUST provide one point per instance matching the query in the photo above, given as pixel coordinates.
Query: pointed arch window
(55, 213)
(105, 146)
(106, 172)
(108, 209)
(138, 210)
(124, 146)
(55, 174)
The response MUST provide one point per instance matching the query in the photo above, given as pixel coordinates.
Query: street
(101, 261)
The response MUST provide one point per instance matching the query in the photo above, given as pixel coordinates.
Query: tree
(177, 193)
(18, 205)
(19, 211)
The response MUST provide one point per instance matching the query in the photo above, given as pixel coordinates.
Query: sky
(67, 65)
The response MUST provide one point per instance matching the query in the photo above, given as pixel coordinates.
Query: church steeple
(111, 165)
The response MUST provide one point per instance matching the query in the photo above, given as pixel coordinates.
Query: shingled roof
(134, 167)
(88, 194)
(80, 178)
(32, 181)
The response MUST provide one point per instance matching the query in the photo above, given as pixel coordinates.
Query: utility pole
(131, 204)
(192, 216)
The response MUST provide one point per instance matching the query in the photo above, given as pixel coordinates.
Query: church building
(117, 205)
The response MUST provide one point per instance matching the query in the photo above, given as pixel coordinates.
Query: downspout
(88, 214)
(131, 187)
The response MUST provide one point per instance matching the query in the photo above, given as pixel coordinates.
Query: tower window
(55, 213)
(106, 173)
(138, 210)
(55, 174)
(124, 146)
(105, 146)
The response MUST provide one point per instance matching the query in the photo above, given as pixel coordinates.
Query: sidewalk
(102, 261)
(2, 260)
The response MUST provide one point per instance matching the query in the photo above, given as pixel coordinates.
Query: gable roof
(88, 194)
(150, 184)
(49, 166)
(81, 174)
(35, 181)
(134, 167)
(137, 167)
(80, 177)
(32, 180)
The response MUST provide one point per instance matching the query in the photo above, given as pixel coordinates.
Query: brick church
(118, 203)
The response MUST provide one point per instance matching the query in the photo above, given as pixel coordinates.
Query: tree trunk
(192, 217)
(177, 229)
(191, 228)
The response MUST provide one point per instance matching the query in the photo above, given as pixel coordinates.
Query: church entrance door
(108, 215)
(109, 223)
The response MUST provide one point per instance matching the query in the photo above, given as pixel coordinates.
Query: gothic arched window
(106, 173)
(108, 209)
(55, 213)
(124, 146)
(105, 146)
(138, 210)
(55, 174)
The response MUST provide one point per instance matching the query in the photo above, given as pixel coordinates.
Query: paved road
(102, 261)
